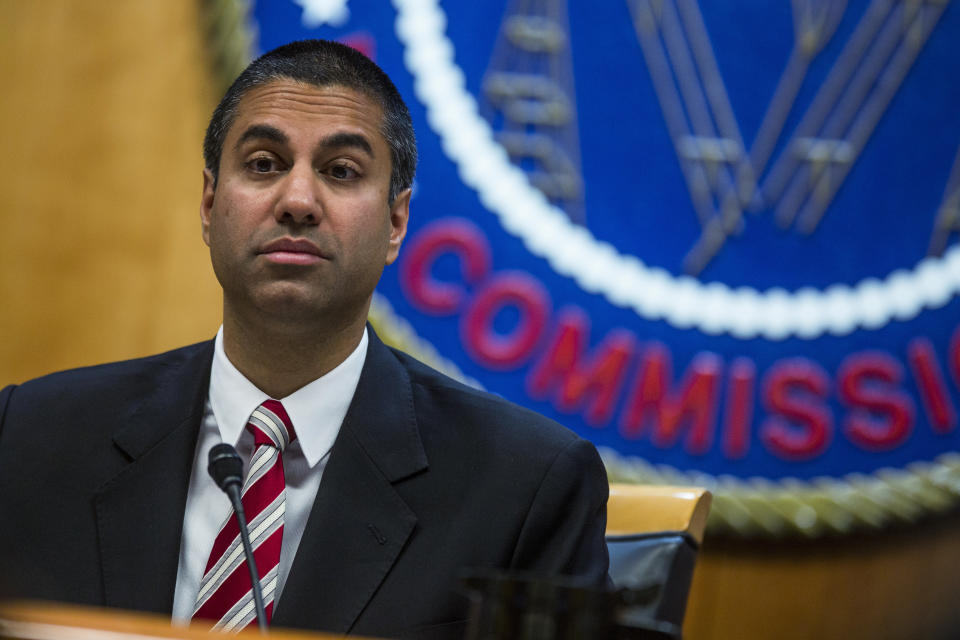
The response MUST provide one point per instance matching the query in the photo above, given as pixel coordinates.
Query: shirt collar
(317, 409)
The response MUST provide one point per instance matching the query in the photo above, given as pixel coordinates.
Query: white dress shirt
(316, 411)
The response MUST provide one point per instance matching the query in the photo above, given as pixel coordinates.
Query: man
(383, 480)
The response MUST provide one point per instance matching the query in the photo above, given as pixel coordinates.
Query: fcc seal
(717, 239)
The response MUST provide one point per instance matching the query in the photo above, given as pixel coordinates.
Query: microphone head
(225, 466)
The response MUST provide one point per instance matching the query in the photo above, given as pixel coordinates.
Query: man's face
(299, 226)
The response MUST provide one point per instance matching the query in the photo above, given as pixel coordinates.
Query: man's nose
(299, 201)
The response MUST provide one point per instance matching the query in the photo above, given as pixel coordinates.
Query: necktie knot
(270, 425)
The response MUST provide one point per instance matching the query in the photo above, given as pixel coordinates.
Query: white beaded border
(624, 280)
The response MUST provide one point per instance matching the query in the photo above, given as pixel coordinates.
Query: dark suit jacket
(427, 477)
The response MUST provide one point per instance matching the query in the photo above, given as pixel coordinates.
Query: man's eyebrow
(262, 132)
(344, 139)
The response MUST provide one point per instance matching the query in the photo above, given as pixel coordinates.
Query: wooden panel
(102, 119)
(899, 584)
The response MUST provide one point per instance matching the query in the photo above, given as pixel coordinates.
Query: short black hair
(322, 63)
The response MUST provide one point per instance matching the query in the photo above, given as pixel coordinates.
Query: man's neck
(279, 360)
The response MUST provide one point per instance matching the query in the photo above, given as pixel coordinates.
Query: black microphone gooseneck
(226, 469)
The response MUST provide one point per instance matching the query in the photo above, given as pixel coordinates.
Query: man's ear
(206, 204)
(399, 215)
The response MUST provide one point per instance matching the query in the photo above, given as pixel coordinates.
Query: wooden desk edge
(29, 620)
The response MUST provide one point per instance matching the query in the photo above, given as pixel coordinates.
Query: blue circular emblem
(719, 237)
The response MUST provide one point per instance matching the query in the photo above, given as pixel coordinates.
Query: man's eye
(262, 164)
(343, 172)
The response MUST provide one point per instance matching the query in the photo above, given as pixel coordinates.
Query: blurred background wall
(102, 118)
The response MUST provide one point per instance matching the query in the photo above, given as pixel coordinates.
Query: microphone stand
(234, 492)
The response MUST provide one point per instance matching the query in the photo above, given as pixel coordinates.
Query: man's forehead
(286, 102)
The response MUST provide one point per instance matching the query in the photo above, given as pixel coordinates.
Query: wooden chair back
(635, 508)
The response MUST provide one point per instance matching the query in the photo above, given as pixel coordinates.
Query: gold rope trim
(746, 508)
(230, 38)
(759, 507)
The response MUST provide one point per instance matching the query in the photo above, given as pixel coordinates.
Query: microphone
(226, 469)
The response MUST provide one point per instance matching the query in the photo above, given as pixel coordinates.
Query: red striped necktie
(225, 595)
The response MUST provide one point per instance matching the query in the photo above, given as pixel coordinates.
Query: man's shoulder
(536, 489)
(91, 381)
(464, 408)
(79, 408)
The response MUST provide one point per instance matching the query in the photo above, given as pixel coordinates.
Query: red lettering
(694, 403)
(564, 365)
(455, 236)
(739, 413)
(794, 389)
(881, 416)
(485, 344)
(933, 389)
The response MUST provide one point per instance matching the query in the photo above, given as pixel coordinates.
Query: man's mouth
(295, 251)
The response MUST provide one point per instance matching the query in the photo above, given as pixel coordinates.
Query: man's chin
(300, 310)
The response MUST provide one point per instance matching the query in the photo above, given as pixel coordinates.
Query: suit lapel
(139, 512)
(359, 524)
